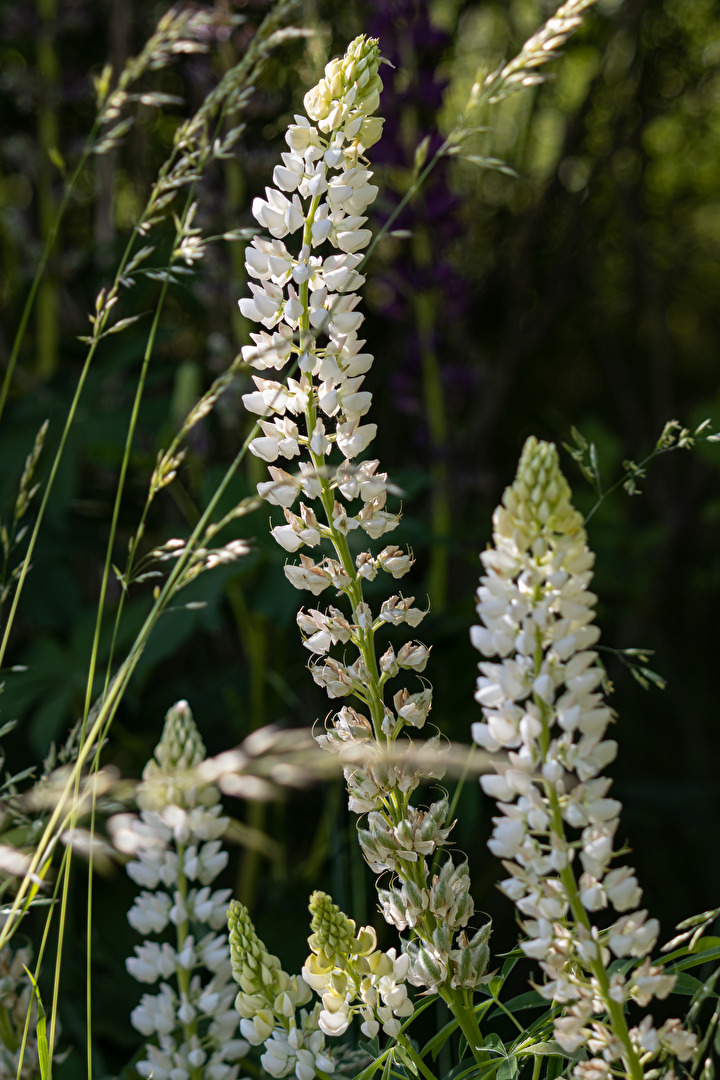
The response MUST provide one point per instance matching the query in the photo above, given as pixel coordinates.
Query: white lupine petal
(353, 240)
(352, 440)
(287, 537)
(344, 322)
(255, 403)
(285, 178)
(265, 448)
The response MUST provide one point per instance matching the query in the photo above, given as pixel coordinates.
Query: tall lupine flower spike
(542, 706)
(270, 1005)
(307, 305)
(179, 855)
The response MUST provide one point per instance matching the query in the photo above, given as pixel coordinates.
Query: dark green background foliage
(581, 292)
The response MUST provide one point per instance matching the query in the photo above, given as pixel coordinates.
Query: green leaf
(696, 959)
(435, 1045)
(494, 1042)
(529, 1000)
(547, 1049)
(510, 964)
(41, 1032)
(407, 1053)
(688, 984)
(388, 1063)
(370, 1070)
(508, 1069)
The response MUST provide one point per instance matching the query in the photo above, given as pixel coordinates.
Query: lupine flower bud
(428, 967)
(253, 967)
(470, 960)
(180, 746)
(333, 933)
(351, 975)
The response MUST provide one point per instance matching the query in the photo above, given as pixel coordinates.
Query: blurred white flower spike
(177, 845)
(539, 688)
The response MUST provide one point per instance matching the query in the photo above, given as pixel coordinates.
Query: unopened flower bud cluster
(271, 1006)
(309, 309)
(178, 851)
(539, 688)
(352, 976)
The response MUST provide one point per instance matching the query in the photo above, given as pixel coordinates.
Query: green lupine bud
(427, 968)
(470, 961)
(442, 939)
(349, 93)
(254, 969)
(538, 502)
(416, 895)
(180, 745)
(333, 934)
(168, 778)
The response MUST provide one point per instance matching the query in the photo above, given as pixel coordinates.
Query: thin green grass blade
(44, 1059)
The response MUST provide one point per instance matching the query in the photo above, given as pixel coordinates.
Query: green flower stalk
(543, 707)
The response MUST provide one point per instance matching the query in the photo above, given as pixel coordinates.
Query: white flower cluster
(307, 301)
(177, 843)
(542, 705)
(270, 1003)
(352, 975)
(308, 306)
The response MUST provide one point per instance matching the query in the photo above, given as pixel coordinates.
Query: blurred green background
(582, 291)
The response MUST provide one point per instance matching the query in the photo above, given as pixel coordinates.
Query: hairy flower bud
(333, 934)
(254, 969)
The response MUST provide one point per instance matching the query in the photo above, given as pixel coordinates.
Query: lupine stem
(183, 975)
(415, 1057)
(465, 1016)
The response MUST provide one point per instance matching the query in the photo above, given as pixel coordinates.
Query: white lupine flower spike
(191, 1019)
(303, 294)
(270, 1003)
(539, 689)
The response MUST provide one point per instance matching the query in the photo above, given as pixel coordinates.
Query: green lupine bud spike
(254, 969)
(169, 778)
(537, 505)
(349, 93)
(333, 932)
(180, 746)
